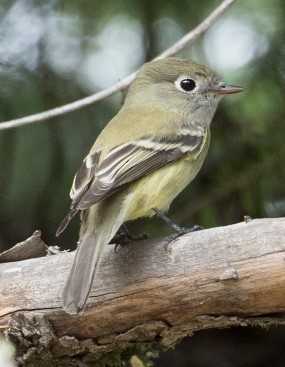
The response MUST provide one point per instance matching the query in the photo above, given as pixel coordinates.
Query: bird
(143, 158)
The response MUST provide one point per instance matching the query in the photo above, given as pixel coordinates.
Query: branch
(143, 295)
(124, 83)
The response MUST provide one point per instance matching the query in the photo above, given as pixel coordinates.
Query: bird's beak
(226, 89)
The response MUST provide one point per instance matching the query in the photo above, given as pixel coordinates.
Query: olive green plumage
(146, 155)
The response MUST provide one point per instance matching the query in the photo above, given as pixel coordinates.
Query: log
(146, 296)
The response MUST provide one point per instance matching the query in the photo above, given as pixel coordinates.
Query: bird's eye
(187, 85)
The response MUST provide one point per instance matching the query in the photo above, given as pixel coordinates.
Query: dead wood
(145, 296)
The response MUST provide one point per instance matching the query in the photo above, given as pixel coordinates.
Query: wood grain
(216, 277)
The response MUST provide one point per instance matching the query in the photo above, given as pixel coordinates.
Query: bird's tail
(88, 254)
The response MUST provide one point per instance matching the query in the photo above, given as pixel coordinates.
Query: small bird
(144, 157)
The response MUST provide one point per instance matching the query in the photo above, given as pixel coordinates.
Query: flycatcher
(145, 156)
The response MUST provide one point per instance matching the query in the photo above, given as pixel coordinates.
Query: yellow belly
(158, 189)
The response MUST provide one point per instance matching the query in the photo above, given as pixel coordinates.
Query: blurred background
(56, 52)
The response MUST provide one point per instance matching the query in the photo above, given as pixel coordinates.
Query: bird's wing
(80, 186)
(83, 177)
(130, 161)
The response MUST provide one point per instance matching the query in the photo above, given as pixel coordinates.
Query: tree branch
(143, 295)
(124, 83)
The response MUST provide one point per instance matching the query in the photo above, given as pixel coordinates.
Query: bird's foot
(176, 234)
(123, 237)
(179, 231)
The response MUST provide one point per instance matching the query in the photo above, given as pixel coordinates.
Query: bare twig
(196, 32)
(124, 83)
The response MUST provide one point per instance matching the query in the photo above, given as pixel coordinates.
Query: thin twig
(124, 83)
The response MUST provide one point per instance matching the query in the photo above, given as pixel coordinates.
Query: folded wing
(130, 161)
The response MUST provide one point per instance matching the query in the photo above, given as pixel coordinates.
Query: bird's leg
(123, 237)
(179, 231)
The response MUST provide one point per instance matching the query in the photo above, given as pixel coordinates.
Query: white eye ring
(185, 84)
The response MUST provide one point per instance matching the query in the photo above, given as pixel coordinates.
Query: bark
(144, 297)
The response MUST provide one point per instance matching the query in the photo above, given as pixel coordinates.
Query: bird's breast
(159, 188)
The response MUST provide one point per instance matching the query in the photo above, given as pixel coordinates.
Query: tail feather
(95, 235)
(79, 282)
